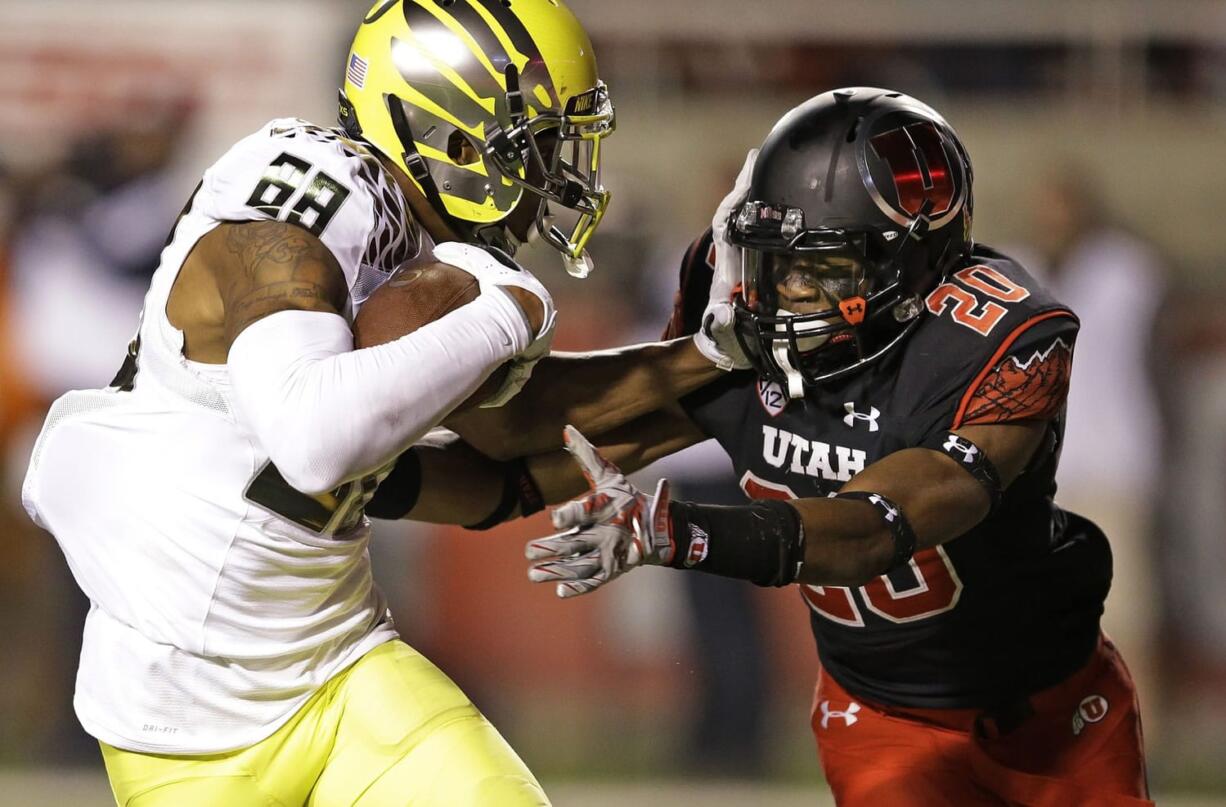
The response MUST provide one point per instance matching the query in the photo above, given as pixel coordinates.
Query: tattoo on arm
(271, 266)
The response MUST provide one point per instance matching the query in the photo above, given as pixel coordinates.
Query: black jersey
(1008, 608)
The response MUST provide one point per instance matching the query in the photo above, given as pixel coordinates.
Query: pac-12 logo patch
(772, 397)
(1090, 710)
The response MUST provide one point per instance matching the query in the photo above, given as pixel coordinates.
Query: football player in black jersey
(896, 419)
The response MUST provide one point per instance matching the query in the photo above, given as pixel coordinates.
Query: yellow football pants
(390, 731)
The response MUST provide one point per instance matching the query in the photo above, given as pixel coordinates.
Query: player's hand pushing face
(716, 338)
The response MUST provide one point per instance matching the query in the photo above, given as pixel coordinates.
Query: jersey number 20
(927, 586)
(981, 316)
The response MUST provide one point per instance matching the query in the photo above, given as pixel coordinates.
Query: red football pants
(1079, 745)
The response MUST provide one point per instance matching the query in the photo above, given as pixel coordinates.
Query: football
(412, 298)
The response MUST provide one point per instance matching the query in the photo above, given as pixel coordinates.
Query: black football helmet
(859, 203)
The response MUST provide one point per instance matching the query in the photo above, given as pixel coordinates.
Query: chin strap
(499, 237)
(579, 267)
(796, 381)
(412, 158)
(783, 354)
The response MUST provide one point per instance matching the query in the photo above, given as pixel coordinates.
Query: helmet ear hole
(460, 150)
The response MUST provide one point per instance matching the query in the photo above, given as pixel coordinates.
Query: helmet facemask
(816, 304)
(862, 196)
(566, 174)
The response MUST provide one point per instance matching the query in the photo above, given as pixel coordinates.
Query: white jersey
(221, 598)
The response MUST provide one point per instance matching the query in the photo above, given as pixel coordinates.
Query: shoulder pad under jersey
(987, 309)
(319, 179)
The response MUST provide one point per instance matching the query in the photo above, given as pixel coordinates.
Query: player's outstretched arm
(910, 500)
(596, 392)
(933, 492)
(444, 480)
(324, 412)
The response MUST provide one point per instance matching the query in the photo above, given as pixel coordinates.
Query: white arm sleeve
(326, 413)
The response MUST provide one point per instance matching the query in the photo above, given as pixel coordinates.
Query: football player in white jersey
(210, 502)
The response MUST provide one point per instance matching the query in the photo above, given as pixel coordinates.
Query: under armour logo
(852, 416)
(891, 513)
(967, 449)
(853, 310)
(848, 715)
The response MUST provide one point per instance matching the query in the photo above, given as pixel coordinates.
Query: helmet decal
(447, 52)
(867, 194)
(355, 73)
(852, 309)
(534, 77)
(920, 168)
(479, 102)
(378, 11)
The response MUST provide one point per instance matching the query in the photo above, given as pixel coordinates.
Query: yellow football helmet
(456, 93)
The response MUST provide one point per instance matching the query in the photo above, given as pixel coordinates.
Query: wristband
(518, 489)
(397, 493)
(900, 528)
(761, 542)
(971, 459)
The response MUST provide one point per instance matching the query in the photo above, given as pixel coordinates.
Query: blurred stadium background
(1098, 133)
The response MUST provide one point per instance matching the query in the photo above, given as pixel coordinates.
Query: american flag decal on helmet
(356, 72)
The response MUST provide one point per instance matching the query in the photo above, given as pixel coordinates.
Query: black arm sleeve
(761, 542)
(397, 494)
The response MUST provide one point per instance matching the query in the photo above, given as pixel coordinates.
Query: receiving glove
(492, 273)
(606, 533)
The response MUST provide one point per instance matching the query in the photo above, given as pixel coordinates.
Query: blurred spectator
(1113, 451)
(1192, 514)
(726, 732)
(725, 735)
(15, 397)
(81, 249)
(83, 258)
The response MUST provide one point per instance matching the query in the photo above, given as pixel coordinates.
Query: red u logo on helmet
(920, 168)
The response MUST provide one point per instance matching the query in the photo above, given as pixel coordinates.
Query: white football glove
(608, 532)
(716, 338)
(492, 274)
